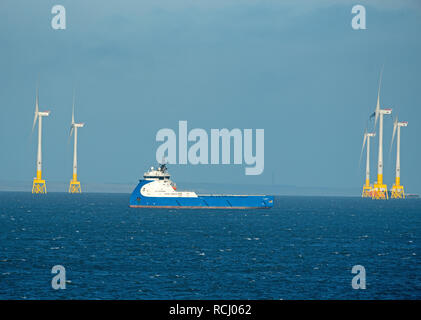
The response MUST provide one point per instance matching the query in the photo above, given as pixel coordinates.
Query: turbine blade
(36, 110)
(395, 125)
(378, 99)
(362, 148)
(71, 131)
(73, 109)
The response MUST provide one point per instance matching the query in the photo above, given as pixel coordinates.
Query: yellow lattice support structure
(380, 192)
(397, 191)
(39, 186)
(367, 191)
(380, 189)
(74, 186)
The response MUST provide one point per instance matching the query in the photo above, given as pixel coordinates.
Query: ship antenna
(163, 166)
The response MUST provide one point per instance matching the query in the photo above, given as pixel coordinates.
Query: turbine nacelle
(379, 112)
(397, 124)
(43, 113)
(386, 111)
(383, 111)
(77, 125)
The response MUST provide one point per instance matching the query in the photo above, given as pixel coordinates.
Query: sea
(302, 248)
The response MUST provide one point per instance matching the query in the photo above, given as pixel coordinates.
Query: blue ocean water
(303, 248)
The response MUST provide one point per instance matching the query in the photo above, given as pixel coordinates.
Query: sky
(296, 69)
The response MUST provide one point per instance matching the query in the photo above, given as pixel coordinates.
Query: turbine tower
(74, 186)
(367, 188)
(379, 188)
(38, 185)
(397, 190)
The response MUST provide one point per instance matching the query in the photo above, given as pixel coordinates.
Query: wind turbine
(38, 185)
(367, 188)
(74, 186)
(379, 188)
(398, 190)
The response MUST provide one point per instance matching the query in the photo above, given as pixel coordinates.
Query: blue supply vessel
(156, 190)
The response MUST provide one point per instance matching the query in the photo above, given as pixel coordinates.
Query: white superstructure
(161, 185)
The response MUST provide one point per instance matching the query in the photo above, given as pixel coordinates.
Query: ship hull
(137, 200)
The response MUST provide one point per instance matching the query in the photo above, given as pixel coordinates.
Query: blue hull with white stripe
(137, 200)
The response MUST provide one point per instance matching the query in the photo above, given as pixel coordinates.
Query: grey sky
(294, 68)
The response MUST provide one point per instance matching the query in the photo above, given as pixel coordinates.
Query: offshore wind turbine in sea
(38, 185)
(367, 188)
(74, 186)
(379, 190)
(397, 191)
